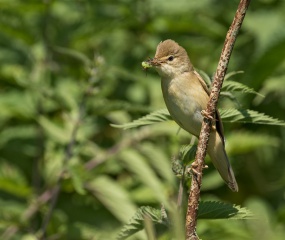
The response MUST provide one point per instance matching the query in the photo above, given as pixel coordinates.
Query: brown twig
(193, 199)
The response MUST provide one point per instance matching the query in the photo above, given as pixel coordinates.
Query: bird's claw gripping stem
(206, 114)
(193, 167)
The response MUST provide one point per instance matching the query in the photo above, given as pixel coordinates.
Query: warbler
(186, 96)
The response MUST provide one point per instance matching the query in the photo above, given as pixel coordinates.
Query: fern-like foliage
(229, 85)
(161, 115)
(230, 74)
(227, 115)
(207, 210)
(233, 86)
(136, 223)
(249, 116)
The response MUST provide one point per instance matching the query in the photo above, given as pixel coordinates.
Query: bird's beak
(151, 62)
(154, 62)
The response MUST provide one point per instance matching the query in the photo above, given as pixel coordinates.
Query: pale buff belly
(183, 108)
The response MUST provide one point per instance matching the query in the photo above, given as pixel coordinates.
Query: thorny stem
(193, 199)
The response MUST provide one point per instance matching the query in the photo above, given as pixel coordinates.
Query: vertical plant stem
(68, 155)
(193, 199)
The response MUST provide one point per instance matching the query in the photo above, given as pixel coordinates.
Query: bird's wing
(219, 124)
(201, 80)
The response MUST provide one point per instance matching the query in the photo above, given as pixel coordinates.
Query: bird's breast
(183, 105)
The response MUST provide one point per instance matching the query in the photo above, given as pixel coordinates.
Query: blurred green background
(71, 68)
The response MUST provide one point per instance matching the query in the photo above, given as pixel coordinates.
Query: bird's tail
(218, 155)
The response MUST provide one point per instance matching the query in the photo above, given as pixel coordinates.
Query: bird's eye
(170, 58)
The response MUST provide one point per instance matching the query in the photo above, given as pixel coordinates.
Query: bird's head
(170, 59)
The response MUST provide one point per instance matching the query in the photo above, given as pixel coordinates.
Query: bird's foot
(194, 167)
(206, 114)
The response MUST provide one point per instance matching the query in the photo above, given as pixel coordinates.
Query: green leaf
(233, 86)
(187, 153)
(74, 54)
(207, 79)
(22, 132)
(185, 157)
(227, 115)
(241, 142)
(221, 210)
(274, 85)
(230, 74)
(77, 179)
(16, 104)
(249, 116)
(273, 89)
(154, 117)
(207, 210)
(137, 164)
(11, 210)
(268, 62)
(113, 196)
(13, 181)
(159, 160)
(136, 223)
(56, 132)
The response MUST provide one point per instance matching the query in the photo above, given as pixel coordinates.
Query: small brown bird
(186, 95)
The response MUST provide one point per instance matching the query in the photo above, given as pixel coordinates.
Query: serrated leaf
(187, 153)
(230, 96)
(221, 210)
(248, 116)
(136, 223)
(227, 115)
(233, 86)
(154, 117)
(207, 210)
(230, 74)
